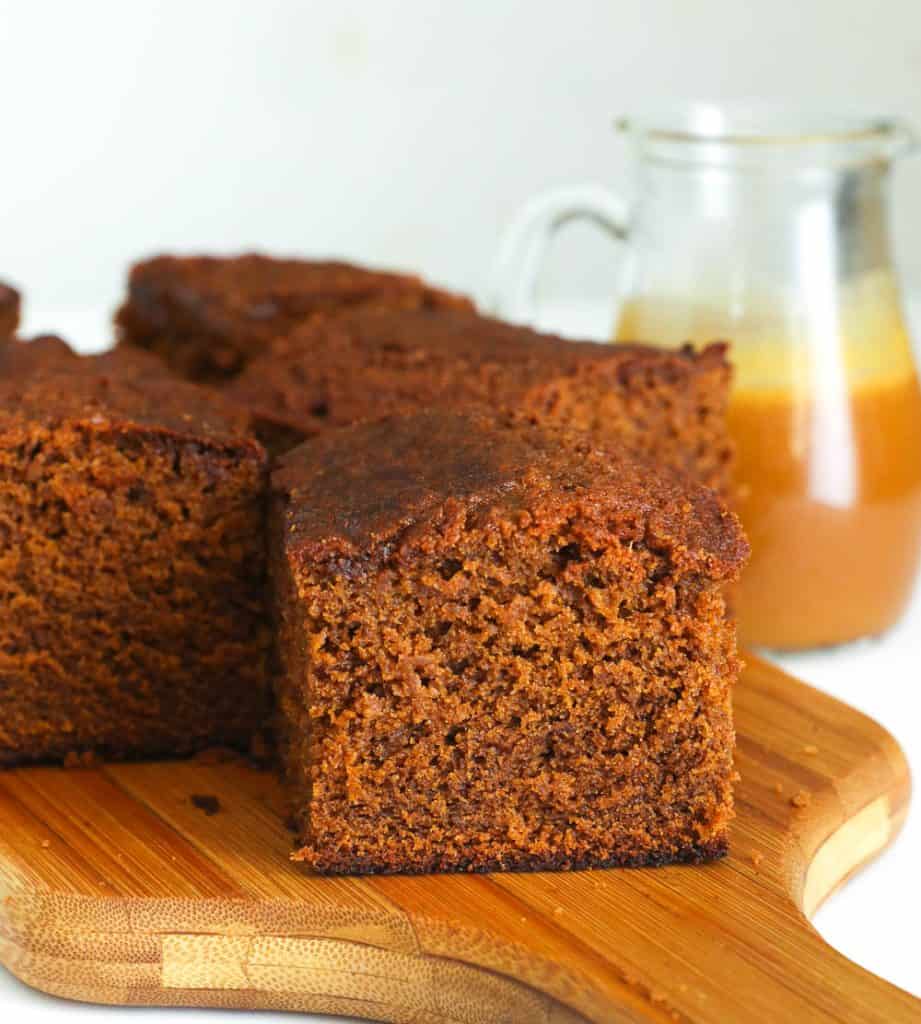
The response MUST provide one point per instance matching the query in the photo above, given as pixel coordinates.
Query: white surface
(873, 919)
(400, 131)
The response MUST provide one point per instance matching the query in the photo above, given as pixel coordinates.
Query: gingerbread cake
(502, 647)
(9, 311)
(208, 316)
(132, 563)
(666, 404)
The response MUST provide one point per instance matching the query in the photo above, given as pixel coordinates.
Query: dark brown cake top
(363, 365)
(359, 496)
(260, 288)
(102, 395)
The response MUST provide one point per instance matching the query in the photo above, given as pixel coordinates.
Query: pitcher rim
(741, 125)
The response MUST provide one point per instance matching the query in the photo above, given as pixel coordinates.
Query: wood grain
(118, 888)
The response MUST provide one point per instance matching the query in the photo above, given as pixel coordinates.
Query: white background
(397, 131)
(408, 133)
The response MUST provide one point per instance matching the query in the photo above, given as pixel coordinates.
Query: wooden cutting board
(169, 884)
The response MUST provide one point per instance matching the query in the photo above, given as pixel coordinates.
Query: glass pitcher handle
(522, 250)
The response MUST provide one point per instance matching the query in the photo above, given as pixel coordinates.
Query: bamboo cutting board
(169, 884)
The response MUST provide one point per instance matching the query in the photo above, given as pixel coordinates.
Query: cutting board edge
(829, 857)
(212, 980)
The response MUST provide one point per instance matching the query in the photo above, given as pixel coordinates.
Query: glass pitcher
(772, 232)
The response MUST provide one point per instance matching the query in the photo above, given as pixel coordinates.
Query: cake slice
(669, 405)
(502, 648)
(208, 316)
(9, 311)
(132, 565)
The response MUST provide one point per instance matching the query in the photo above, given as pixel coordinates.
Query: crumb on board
(778, 788)
(45, 844)
(206, 802)
(558, 911)
(801, 799)
(84, 759)
(757, 857)
(810, 749)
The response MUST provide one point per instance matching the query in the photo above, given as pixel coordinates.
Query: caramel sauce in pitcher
(823, 572)
(828, 435)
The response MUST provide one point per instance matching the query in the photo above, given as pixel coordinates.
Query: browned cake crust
(49, 353)
(503, 648)
(132, 565)
(670, 405)
(20, 359)
(9, 311)
(208, 316)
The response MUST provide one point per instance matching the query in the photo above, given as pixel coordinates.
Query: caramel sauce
(828, 473)
(827, 565)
